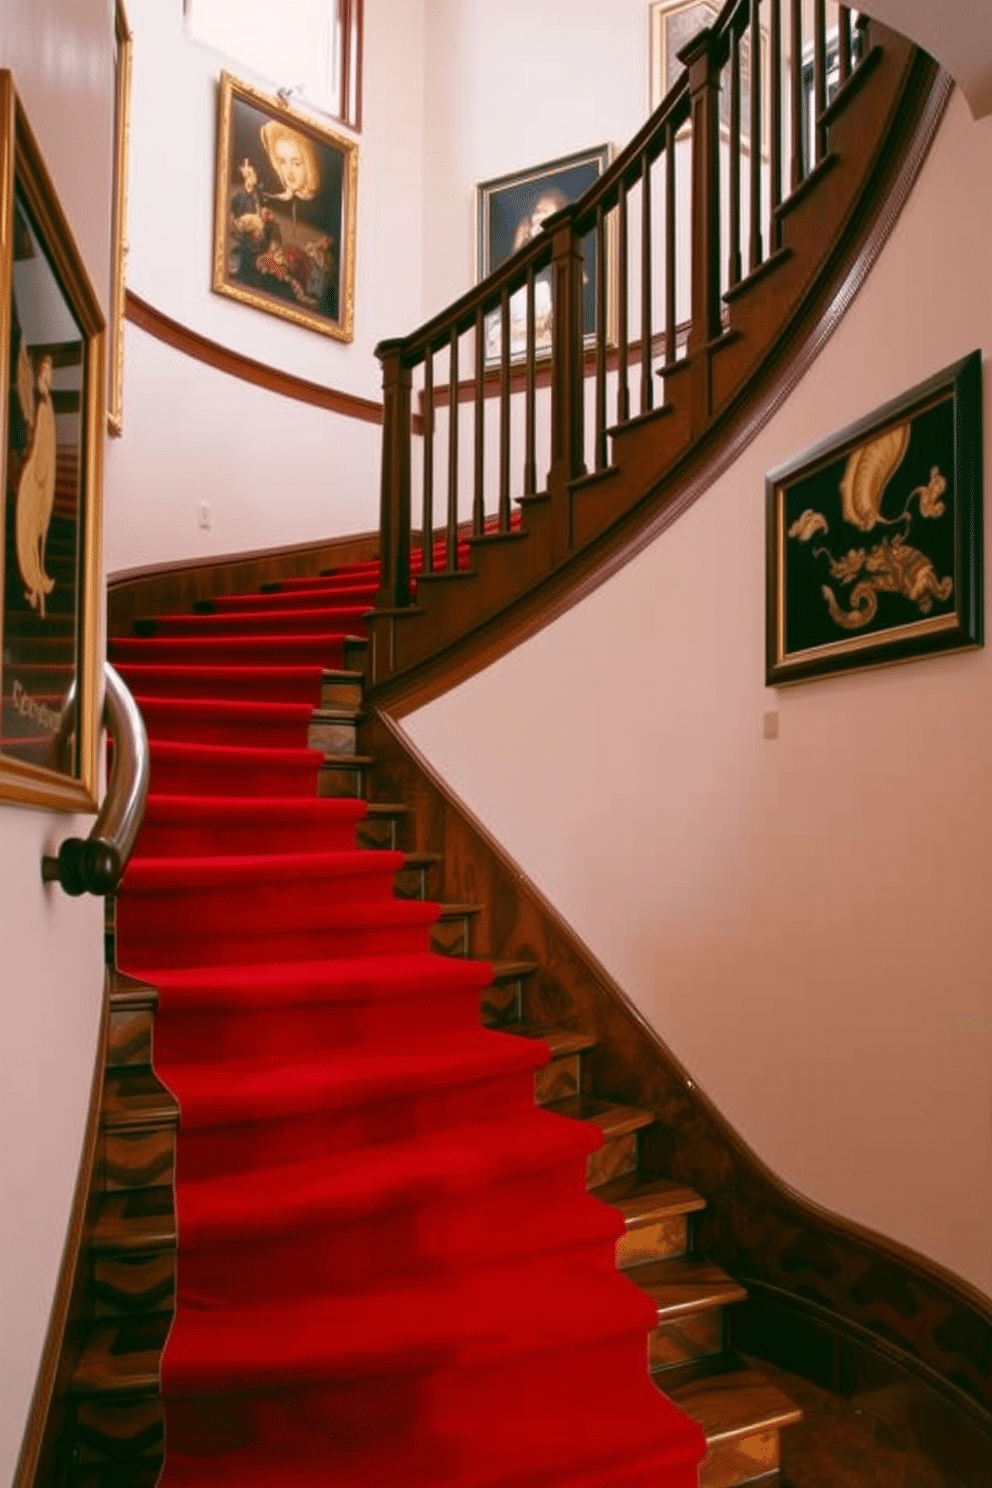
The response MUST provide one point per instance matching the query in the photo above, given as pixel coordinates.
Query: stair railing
(94, 864)
(640, 314)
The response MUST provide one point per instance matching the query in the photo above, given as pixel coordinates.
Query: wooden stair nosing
(641, 1200)
(728, 1403)
(682, 1286)
(115, 1232)
(612, 1118)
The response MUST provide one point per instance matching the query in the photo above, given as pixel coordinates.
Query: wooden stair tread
(121, 1357)
(341, 674)
(509, 971)
(561, 1041)
(422, 859)
(729, 1404)
(681, 1286)
(641, 1200)
(128, 992)
(136, 1097)
(454, 910)
(348, 759)
(135, 1220)
(323, 713)
(613, 1119)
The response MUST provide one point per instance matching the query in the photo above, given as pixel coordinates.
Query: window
(310, 47)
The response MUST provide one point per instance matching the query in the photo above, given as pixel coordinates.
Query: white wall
(52, 947)
(804, 920)
(275, 472)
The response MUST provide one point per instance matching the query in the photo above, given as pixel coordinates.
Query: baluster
(734, 166)
(623, 383)
(699, 56)
(600, 339)
(820, 76)
(394, 518)
(797, 93)
(504, 411)
(566, 367)
(647, 391)
(775, 142)
(670, 309)
(427, 540)
(451, 555)
(478, 493)
(756, 253)
(843, 43)
(530, 450)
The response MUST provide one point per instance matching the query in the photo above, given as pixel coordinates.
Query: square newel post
(567, 441)
(700, 57)
(394, 518)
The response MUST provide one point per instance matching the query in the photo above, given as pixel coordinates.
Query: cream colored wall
(51, 947)
(804, 920)
(273, 472)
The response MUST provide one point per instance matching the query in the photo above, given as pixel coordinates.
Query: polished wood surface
(743, 357)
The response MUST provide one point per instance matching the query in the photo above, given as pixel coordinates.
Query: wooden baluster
(451, 555)
(647, 391)
(427, 539)
(671, 312)
(796, 42)
(478, 492)
(775, 142)
(623, 382)
(756, 253)
(700, 57)
(734, 266)
(567, 460)
(530, 443)
(600, 339)
(394, 518)
(820, 76)
(504, 411)
(843, 43)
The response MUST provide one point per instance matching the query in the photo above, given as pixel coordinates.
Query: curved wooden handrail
(95, 864)
(642, 394)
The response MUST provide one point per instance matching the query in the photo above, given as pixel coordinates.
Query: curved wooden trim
(787, 362)
(870, 1289)
(332, 400)
(169, 588)
(56, 1363)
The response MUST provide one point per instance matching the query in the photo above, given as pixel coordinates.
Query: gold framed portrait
(52, 397)
(284, 221)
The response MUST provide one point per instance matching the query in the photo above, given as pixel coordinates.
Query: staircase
(202, 782)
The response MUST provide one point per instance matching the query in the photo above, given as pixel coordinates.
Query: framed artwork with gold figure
(875, 535)
(52, 397)
(122, 128)
(284, 220)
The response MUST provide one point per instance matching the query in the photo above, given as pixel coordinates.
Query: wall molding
(170, 588)
(212, 354)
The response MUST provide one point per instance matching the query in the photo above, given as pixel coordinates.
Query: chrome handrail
(94, 864)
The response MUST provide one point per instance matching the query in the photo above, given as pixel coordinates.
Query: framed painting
(52, 397)
(122, 111)
(875, 536)
(284, 222)
(510, 210)
(671, 25)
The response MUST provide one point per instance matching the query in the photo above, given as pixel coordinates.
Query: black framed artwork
(875, 535)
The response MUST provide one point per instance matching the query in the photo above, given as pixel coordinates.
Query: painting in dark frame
(875, 536)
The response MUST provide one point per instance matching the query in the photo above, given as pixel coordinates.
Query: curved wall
(51, 947)
(805, 920)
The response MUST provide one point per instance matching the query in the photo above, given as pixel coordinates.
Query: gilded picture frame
(874, 536)
(118, 240)
(509, 211)
(671, 25)
(284, 220)
(52, 388)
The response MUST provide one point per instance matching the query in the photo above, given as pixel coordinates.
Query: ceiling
(957, 32)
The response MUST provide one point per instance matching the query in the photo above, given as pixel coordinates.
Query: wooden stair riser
(137, 1159)
(559, 1079)
(696, 1335)
(355, 655)
(655, 1240)
(748, 1459)
(418, 878)
(452, 934)
(343, 777)
(125, 1285)
(617, 1156)
(341, 690)
(121, 1433)
(333, 731)
(129, 1035)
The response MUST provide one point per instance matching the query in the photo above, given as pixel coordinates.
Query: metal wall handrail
(95, 864)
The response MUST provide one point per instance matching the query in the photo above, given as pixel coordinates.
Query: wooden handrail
(627, 256)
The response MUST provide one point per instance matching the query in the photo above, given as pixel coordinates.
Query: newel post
(700, 57)
(567, 453)
(394, 518)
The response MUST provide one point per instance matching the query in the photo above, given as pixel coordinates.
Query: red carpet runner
(390, 1273)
